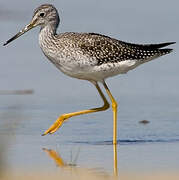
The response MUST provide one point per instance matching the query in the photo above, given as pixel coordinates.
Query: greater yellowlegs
(88, 56)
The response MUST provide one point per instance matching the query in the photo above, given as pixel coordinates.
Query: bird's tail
(165, 51)
(157, 46)
(153, 50)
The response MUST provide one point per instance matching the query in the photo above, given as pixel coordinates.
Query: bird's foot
(56, 125)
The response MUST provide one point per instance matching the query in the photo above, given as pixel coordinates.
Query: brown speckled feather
(106, 49)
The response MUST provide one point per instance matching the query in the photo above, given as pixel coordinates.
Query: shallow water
(149, 92)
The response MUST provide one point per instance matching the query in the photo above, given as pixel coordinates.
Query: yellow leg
(115, 160)
(114, 107)
(64, 117)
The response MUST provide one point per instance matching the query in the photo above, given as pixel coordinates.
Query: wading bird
(88, 56)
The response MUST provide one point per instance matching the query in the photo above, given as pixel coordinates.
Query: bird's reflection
(72, 166)
(58, 159)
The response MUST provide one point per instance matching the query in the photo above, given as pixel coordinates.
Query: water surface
(149, 92)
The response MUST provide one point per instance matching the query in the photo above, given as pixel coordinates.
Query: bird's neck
(46, 36)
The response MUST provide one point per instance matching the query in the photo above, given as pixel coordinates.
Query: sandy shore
(88, 175)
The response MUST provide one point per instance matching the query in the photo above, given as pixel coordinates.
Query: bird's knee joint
(114, 105)
(107, 105)
(64, 116)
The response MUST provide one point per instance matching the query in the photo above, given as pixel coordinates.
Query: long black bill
(27, 28)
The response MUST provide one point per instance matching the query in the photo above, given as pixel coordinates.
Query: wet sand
(82, 174)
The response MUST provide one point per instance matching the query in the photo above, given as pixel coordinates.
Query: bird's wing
(106, 49)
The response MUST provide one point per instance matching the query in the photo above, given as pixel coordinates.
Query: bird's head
(44, 15)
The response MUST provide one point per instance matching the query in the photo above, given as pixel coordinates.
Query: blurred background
(150, 92)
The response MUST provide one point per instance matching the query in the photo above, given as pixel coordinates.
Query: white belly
(101, 72)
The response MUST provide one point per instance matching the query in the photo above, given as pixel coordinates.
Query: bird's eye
(42, 14)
